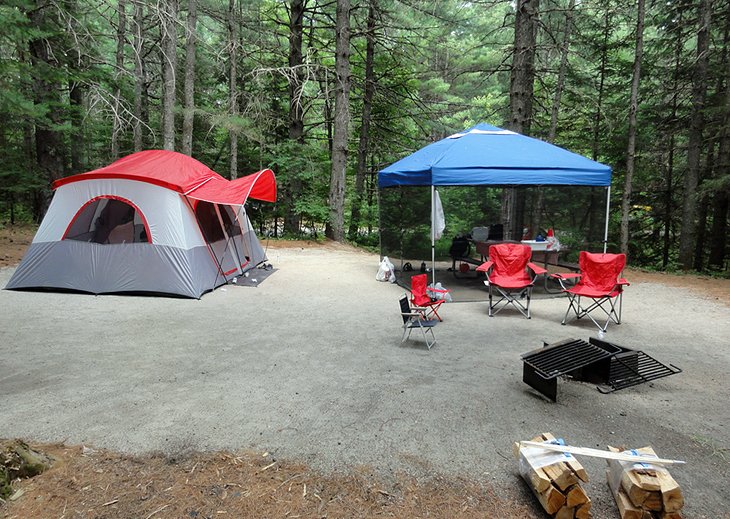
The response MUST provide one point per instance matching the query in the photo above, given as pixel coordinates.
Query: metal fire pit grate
(542, 367)
(565, 356)
(610, 366)
(634, 367)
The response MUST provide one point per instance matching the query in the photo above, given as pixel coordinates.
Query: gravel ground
(308, 366)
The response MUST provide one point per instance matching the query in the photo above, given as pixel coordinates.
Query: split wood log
(626, 508)
(672, 498)
(571, 462)
(648, 488)
(565, 513)
(583, 511)
(576, 496)
(561, 475)
(554, 479)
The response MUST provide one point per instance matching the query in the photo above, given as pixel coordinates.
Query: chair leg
(612, 313)
(508, 298)
(620, 306)
(406, 332)
(574, 305)
(426, 330)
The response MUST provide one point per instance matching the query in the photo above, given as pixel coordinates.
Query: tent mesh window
(107, 221)
(210, 225)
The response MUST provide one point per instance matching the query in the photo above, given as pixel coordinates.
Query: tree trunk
(76, 100)
(169, 71)
(564, 52)
(703, 214)
(367, 105)
(139, 78)
(46, 95)
(668, 196)
(296, 60)
(718, 246)
(633, 108)
(293, 187)
(233, 87)
(719, 230)
(335, 225)
(669, 173)
(521, 89)
(688, 233)
(539, 203)
(76, 65)
(189, 89)
(118, 75)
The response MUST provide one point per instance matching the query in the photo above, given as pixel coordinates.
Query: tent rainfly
(485, 155)
(152, 222)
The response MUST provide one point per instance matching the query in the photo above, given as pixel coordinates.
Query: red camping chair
(421, 298)
(598, 281)
(511, 274)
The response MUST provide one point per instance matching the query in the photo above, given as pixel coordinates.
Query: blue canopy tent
(489, 156)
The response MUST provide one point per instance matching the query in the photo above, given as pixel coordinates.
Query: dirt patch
(89, 483)
(14, 241)
(704, 286)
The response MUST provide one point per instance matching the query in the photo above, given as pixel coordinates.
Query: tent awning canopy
(487, 155)
(185, 175)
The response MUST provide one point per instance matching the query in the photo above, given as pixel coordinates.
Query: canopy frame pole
(608, 208)
(433, 234)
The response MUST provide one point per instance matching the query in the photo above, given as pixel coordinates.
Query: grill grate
(565, 356)
(611, 366)
(634, 367)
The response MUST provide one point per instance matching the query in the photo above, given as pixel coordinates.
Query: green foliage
(438, 68)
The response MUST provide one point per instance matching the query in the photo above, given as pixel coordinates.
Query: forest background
(328, 92)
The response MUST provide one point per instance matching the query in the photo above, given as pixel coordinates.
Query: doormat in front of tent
(254, 277)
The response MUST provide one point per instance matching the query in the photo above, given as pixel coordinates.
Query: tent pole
(433, 234)
(608, 207)
(380, 224)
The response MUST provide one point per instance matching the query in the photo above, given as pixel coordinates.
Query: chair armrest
(485, 266)
(439, 290)
(623, 282)
(536, 269)
(412, 314)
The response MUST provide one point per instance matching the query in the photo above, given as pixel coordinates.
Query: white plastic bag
(438, 292)
(386, 271)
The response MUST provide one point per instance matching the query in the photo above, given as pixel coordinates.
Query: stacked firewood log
(555, 479)
(644, 491)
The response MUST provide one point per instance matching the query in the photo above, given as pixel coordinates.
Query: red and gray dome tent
(153, 222)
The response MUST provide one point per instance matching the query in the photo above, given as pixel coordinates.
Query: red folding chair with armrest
(421, 298)
(511, 274)
(599, 281)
